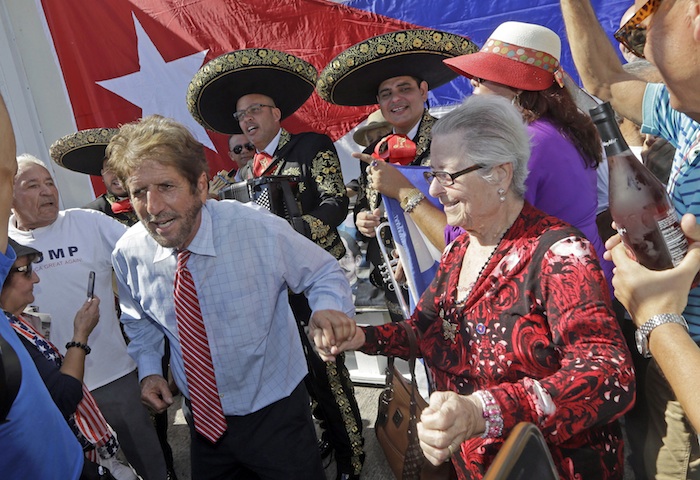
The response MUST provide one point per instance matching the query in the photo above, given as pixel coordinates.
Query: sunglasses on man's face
(239, 148)
(633, 34)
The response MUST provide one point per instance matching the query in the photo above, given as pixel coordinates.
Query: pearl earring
(501, 195)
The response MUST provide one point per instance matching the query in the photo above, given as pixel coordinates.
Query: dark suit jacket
(324, 202)
(102, 204)
(369, 199)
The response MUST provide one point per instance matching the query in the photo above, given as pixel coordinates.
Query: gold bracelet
(412, 200)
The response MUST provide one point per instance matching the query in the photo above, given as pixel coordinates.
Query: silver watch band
(661, 319)
(642, 334)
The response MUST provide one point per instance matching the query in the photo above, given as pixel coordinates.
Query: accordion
(276, 193)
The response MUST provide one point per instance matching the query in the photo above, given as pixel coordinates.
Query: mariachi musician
(252, 91)
(395, 70)
(84, 152)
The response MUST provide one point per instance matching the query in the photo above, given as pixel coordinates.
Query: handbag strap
(412, 353)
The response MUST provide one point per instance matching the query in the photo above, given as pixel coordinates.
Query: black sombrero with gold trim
(353, 77)
(83, 151)
(215, 89)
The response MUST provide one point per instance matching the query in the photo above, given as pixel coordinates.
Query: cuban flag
(125, 59)
(419, 257)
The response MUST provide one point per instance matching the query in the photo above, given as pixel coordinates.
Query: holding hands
(333, 332)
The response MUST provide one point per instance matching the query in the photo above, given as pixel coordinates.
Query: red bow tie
(395, 148)
(122, 206)
(261, 162)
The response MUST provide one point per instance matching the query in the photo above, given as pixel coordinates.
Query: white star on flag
(159, 86)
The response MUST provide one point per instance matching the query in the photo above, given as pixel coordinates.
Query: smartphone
(91, 285)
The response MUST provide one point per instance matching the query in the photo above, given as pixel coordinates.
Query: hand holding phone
(91, 286)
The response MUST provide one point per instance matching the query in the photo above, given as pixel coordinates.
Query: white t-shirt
(80, 241)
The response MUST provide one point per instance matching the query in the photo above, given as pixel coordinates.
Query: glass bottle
(639, 204)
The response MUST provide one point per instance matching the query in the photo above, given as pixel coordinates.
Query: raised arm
(597, 62)
(84, 323)
(8, 168)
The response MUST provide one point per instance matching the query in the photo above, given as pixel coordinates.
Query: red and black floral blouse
(536, 333)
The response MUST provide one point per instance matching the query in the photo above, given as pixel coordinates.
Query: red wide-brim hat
(519, 55)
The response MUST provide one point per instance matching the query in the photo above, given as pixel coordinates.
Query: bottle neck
(613, 141)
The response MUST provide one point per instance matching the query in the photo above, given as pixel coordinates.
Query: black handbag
(397, 417)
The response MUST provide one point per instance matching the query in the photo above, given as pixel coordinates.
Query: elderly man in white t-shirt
(73, 243)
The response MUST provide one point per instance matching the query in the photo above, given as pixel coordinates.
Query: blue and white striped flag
(419, 257)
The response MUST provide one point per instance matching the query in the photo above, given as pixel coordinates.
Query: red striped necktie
(208, 415)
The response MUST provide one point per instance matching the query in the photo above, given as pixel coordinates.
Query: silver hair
(26, 160)
(491, 132)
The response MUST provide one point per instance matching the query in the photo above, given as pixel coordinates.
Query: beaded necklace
(468, 289)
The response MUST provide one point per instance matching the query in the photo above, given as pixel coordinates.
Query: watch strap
(661, 319)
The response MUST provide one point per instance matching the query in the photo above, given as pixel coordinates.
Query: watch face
(641, 340)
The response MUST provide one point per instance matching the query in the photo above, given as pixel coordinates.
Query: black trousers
(278, 441)
(331, 388)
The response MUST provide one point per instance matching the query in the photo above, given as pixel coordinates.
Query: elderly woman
(63, 375)
(520, 61)
(517, 324)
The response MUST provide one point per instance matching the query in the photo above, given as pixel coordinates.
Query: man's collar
(272, 146)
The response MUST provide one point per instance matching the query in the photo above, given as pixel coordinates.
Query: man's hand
(334, 332)
(367, 221)
(449, 420)
(155, 393)
(644, 292)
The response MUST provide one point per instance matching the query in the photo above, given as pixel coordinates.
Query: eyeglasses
(633, 34)
(254, 109)
(239, 148)
(24, 269)
(446, 178)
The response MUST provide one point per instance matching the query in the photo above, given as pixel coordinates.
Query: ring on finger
(451, 449)
(374, 163)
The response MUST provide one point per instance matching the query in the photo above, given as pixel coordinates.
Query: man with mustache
(214, 278)
(242, 91)
(395, 70)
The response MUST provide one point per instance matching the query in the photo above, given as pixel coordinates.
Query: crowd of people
(531, 316)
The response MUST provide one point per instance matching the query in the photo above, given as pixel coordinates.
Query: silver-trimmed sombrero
(215, 89)
(353, 77)
(83, 151)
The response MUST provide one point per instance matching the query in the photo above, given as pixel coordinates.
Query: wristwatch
(641, 336)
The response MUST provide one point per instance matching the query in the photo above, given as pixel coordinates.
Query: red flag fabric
(124, 59)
